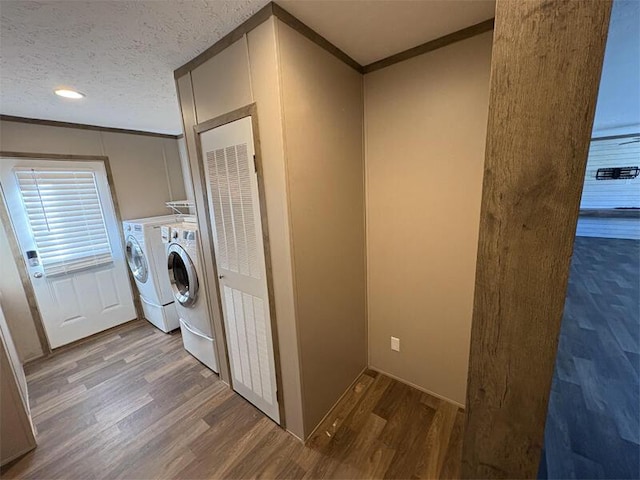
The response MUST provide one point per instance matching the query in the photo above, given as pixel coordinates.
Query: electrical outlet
(395, 344)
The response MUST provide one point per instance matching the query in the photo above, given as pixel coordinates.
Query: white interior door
(232, 188)
(63, 210)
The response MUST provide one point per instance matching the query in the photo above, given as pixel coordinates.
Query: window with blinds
(66, 219)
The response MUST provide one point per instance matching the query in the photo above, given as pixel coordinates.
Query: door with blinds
(65, 222)
(232, 189)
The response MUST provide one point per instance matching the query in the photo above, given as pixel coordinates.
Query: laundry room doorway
(65, 221)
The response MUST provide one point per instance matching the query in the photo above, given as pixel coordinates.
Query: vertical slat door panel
(232, 335)
(232, 188)
(214, 191)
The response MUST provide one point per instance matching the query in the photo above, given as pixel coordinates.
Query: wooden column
(545, 71)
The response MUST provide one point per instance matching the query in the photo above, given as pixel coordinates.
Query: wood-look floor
(131, 403)
(593, 424)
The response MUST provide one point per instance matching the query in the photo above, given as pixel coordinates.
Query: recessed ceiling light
(66, 93)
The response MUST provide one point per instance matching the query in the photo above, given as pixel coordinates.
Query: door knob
(220, 277)
(37, 275)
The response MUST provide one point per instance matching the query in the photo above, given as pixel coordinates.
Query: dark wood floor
(131, 403)
(593, 424)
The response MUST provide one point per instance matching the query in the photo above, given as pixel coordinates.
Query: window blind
(66, 218)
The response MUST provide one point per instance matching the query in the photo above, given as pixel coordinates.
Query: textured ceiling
(122, 53)
(369, 30)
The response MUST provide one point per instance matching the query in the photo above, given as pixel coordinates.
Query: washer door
(182, 274)
(136, 260)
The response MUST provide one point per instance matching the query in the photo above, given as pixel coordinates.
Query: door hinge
(255, 165)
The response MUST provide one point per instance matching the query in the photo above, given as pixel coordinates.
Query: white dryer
(148, 263)
(184, 267)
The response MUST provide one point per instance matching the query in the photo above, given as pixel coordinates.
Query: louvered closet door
(232, 187)
(63, 210)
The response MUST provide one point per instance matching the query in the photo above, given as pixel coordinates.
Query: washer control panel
(165, 233)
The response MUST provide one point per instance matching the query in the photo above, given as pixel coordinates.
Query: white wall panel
(611, 194)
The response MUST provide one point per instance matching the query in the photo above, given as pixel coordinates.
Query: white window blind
(66, 219)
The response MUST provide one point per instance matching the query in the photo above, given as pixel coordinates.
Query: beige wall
(186, 172)
(425, 137)
(142, 181)
(146, 173)
(15, 425)
(14, 303)
(265, 80)
(323, 118)
(225, 83)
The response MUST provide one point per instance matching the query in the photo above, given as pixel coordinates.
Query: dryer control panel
(188, 235)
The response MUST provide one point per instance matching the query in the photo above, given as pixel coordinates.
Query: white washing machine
(147, 260)
(183, 263)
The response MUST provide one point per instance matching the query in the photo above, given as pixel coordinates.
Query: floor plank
(593, 424)
(133, 404)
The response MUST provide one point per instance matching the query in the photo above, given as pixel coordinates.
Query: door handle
(37, 275)
(220, 277)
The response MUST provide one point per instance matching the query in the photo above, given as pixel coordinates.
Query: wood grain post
(545, 72)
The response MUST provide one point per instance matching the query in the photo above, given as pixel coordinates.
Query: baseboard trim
(80, 341)
(294, 436)
(7, 463)
(33, 358)
(417, 387)
(347, 390)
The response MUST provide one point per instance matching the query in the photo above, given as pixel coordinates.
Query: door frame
(15, 247)
(243, 112)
